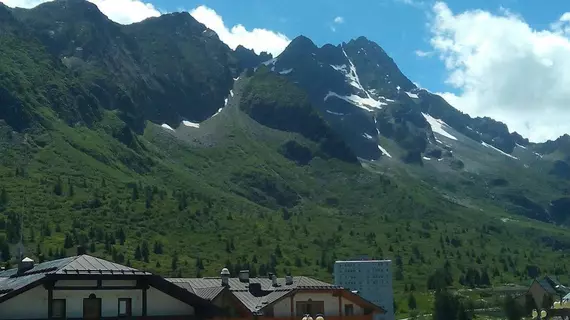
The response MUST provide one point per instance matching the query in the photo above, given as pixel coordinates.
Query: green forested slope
(242, 191)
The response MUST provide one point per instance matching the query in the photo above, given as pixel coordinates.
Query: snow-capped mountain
(391, 123)
(360, 90)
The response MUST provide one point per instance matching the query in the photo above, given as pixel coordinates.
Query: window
(58, 308)
(310, 307)
(92, 307)
(348, 309)
(125, 307)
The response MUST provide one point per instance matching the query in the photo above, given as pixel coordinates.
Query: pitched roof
(209, 288)
(556, 285)
(11, 280)
(546, 286)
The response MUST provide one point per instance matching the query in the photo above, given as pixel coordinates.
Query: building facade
(371, 279)
(86, 287)
(272, 298)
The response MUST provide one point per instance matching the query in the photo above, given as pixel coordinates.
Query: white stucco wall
(109, 301)
(31, 304)
(283, 307)
(161, 304)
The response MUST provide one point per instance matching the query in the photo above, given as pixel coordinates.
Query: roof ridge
(68, 263)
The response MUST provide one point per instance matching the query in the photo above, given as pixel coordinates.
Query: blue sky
(507, 59)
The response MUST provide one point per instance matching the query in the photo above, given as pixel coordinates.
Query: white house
(85, 287)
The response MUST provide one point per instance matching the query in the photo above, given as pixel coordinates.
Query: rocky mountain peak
(302, 43)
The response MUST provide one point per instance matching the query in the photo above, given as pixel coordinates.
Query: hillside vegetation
(266, 184)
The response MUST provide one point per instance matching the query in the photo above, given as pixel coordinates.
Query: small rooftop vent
(244, 276)
(288, 280)
(274, 281)
(25, 265)
(225, 275)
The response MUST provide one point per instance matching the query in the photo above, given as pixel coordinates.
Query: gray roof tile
(203, 287)
(10, 280)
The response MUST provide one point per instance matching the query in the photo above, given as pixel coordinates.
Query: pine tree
(57, 188)
(68, 242)
(70, 185)
(3, 198)
(145, 251)
(412, 304)
(4, 250)
(174, 264)
(138, 254)
(157, 249)
(92, 247)
(199, 264)
(135, 193)
(121, 235)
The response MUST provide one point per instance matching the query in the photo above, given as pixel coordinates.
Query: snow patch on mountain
(286, 71)
(217, 113)
(270, 62)
(426, 158)
(523, 147)
(367, 104)
(231, 93)
(498, 150)
(341, 68)
(335, 113)
(384, 151)
(367, 136)
(353, 76)
(438, 126)
(349, 71)
(412, 95)
(191, 124)
(165, 126)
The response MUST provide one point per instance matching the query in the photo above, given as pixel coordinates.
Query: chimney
(244, 276)
(270, 275)
(288, 280)
(80, 250)
(255, 289)
(274, 280)
(25, 265)
(225, 275)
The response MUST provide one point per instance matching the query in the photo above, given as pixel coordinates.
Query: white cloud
(505, 69)
(413, 3)
(23, 3)
(338, 20)
(257, 39)
(126, 11)
(121, 11)
(421, 53)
